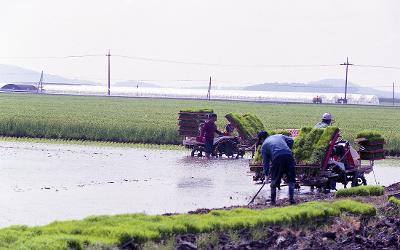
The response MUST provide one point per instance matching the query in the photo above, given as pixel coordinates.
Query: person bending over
(278, 150)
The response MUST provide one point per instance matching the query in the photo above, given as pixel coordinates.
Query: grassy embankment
(109, 231)
(128, 120)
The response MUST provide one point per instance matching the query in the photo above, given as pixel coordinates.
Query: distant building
(19, 88)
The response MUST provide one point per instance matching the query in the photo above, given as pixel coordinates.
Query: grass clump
(395, 201)
(361, 191)
(114, 231)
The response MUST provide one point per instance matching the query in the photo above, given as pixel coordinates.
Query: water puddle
(40, 183)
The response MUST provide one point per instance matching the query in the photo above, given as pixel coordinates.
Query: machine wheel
(197, 152)
(358, 180)
(226, 147)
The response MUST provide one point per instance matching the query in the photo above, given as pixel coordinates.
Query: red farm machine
(332, 161)
(232, 145)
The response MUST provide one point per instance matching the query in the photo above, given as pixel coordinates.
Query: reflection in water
(194, 183)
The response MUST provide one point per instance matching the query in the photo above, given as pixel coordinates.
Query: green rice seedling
(280, 131)
(361, 191)
(111, 231)
(115, 230)
(254, 122)
(355, 208)
(257, 159)
(395, 201)
(248, 125)
(319, 150)
(304, 144)
(311, 144)
(197, 110)
(155, 120)
(370, 135)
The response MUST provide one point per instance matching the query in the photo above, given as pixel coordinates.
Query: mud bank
(347, 232)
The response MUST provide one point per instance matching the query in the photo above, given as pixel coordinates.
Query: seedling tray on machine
(371, 150)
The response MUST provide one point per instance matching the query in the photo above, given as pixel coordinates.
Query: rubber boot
(273, 196)
(291, 193)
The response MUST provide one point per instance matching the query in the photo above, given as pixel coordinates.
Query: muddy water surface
(40, 183)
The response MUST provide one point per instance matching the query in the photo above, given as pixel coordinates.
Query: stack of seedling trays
(370, 145)
(190, 119)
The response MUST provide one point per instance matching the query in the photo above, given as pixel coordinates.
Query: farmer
(208, 131)
(229, 129)
(326, 121)
(278, 150)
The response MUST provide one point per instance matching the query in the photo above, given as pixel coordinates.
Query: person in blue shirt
(277, 149)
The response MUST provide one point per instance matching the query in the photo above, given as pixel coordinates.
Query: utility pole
(40, 84)
(393, 94)
(347, 71)
(109, 72)
(209, 90)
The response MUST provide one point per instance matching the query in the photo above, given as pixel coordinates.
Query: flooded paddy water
(40, 183)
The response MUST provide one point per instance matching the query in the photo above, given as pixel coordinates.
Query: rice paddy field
(134, 120)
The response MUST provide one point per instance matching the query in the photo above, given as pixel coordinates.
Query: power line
(223, 65)
(50, 57)
(376, 66)
(140, 58)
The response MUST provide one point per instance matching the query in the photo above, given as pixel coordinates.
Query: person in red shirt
(208, 132)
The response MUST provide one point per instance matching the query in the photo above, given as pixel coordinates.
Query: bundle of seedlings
(371, 145)
(280, 131)
(370, 135)
(197, 110)
(311, 144)
(248, 125)
(132, 231)
(361, 191)
(320, 148)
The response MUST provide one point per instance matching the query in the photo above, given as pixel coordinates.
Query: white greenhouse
(240, 95)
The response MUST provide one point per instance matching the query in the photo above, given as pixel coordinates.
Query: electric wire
(51, 57)
(138, 58)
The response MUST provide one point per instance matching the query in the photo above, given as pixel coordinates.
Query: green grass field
(155, 120)
(104, 232)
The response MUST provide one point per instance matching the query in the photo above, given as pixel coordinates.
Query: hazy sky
(222, 33)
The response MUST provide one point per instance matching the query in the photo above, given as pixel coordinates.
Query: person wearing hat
(326, 121)
(277, 149)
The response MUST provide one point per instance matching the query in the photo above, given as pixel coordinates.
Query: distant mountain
(321, 86)
(15, 74)
(133, 83)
